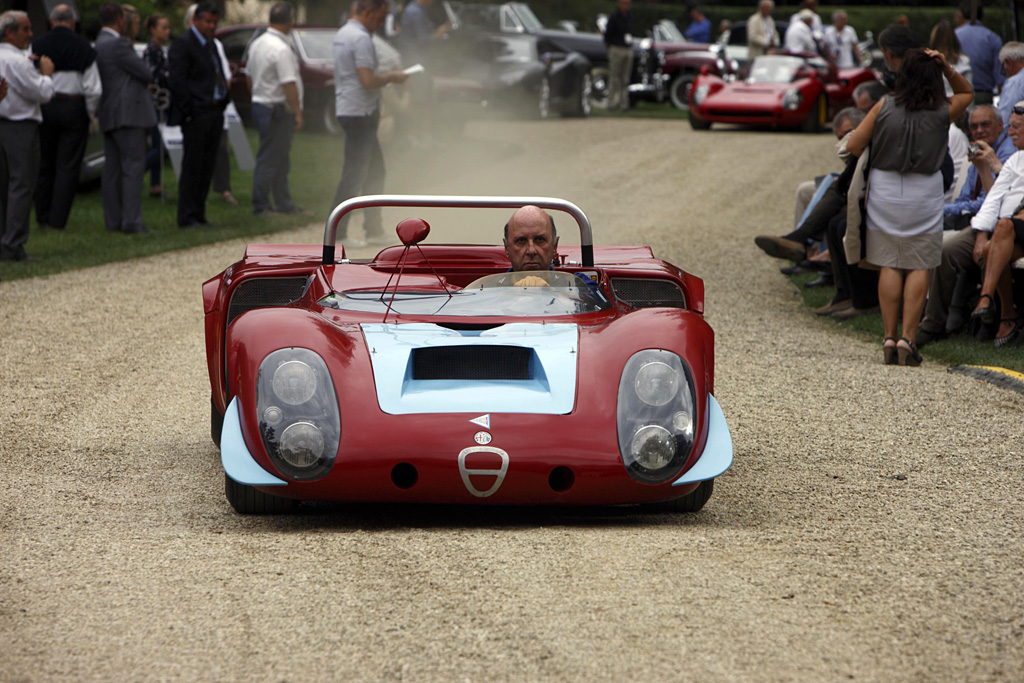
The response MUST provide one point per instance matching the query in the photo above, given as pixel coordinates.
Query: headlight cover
(792, 99)
(298, 411)
(700, 93)
(655, 415)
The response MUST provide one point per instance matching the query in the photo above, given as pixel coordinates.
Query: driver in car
(530, 244)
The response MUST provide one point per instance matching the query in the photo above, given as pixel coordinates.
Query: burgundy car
(313, 44)
(786, 90)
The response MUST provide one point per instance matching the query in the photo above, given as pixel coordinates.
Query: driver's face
(529, 245)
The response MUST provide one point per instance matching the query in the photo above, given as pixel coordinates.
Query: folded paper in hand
(414, 69)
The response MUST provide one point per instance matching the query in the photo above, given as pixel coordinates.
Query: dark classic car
(430, 373)
(524, 74)
(785, 90)
(647, 81)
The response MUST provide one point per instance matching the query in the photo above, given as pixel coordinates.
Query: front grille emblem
(467, 474)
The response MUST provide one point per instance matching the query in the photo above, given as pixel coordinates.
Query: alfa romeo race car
(431, 373)
(786, 90)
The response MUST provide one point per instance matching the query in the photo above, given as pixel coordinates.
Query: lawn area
(960, 349)
(85, 242)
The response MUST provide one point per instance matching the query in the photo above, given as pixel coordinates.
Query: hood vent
(466, 362)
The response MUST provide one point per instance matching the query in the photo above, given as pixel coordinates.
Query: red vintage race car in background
(785, 90)
(432, 374)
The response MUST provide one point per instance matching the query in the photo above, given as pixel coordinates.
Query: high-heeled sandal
(987, 314)
(908, 355)
(889, 351)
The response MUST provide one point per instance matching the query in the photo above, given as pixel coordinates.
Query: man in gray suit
(126, 115)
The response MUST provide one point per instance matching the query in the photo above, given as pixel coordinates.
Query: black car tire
(815, 121)
(691, 502)
(584, 92)
(679, 91)
(599, 87)
(697, 123)
(249, 501)
(216, 422)
(544, 99)
(328, 118)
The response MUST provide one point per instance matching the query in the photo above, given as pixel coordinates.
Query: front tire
(599, 87)
(544, 99)
(697, 123)
(815, 121)
(679, 91)
(328, 117)
(216, 422)
(249, 501)
(691, 502)
(584, 93)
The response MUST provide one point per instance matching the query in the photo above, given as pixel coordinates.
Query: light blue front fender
(235, 457)
(717, 455)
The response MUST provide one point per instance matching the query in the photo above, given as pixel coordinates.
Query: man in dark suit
(199, 94)
(126, 115)
(65, 128)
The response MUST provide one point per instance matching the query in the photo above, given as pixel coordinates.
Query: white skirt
(904, 220)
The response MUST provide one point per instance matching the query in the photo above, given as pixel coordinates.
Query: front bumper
(529, 477)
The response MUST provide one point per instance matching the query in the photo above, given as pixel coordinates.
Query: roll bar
(458, 202)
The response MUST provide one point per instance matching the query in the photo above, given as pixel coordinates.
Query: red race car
(779, 91)
(431, 373)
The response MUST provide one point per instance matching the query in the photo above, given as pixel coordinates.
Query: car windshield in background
(316, 44)
(519, 294)
(774, 69)
(530, 21)
(666, 31)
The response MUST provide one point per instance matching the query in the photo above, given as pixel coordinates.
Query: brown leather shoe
(833, 307)
(852, 312)
(780, 247)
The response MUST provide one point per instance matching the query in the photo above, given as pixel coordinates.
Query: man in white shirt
(65, 128)
(357, 103)
(841, 41)
(20, 114)
(276, 111)
(995, 232)
(799, 35)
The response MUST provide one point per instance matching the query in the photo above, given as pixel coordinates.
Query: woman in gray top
(908, 133)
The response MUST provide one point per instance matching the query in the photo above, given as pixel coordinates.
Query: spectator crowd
(926, 218)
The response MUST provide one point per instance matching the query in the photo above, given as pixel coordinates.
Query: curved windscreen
(519, 294)
(774, 69)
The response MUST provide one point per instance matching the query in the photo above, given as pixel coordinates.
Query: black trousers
(816, 223)
(859, 285)
(201, 140)
(62, 137)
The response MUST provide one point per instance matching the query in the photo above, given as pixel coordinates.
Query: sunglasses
(1018, 110)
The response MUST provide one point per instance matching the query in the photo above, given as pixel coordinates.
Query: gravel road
(869, 529)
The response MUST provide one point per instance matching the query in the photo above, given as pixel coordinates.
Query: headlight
(700, 93)
(661, 58)
(299, 418)
(655, 415)
(294, 382)
(792, 99)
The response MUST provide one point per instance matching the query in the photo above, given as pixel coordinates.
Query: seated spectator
(996, 238)
(959, 264)
(866, 94)
(793, 246)
(1011, 59)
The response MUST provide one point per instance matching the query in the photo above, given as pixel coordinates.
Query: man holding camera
(962, 249)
